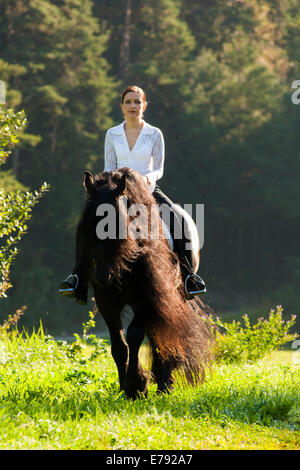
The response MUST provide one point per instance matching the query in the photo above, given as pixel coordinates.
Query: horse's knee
(135, 334)
(119, 351)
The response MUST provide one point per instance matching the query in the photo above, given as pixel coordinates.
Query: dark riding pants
(176, 227)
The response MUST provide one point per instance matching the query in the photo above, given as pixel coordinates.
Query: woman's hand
(146, 179)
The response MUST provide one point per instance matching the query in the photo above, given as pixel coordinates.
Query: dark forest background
(218, 76)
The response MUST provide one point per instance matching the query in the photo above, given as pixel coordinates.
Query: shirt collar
(146, 129)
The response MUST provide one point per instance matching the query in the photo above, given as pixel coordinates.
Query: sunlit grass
(51, 399)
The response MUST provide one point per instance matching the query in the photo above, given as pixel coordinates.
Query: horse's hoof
(164, 390)
(137, 394)
(139, 391)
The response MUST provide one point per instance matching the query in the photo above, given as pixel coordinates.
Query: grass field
(53, 399)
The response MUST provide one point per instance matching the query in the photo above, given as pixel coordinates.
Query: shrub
(15, 206)
(246, 343)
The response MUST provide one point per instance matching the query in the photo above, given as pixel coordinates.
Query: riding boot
(69, 285)
(83, 285)
(75, 286)
(193, 284)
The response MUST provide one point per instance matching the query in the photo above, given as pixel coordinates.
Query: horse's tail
(181, 333)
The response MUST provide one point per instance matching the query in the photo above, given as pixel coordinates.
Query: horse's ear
(88, 182)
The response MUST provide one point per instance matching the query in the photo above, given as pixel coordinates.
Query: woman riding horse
(140, 271)
(137, 145)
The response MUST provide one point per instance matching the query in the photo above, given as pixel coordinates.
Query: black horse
(139, 270)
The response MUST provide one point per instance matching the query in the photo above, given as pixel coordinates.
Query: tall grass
(57, 395)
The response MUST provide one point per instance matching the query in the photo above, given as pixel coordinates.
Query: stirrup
(194, 292)
(70, 289)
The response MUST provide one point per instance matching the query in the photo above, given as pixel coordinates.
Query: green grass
(54, 398)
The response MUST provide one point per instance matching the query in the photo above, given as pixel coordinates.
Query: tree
(125, 45)
(63, 83)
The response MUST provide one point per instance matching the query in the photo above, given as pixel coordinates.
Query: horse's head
(111, 250)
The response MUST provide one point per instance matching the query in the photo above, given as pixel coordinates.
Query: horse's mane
(179, 329)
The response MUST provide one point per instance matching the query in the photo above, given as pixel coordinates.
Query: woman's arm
(158, 154)
(110, 157)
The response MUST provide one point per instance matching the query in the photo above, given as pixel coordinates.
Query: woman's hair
(135, 89)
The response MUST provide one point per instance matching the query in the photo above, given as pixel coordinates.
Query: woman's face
(133, 105)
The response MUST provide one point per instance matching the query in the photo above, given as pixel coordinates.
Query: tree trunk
(125, 45)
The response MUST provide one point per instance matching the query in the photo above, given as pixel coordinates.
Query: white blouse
(147, 156)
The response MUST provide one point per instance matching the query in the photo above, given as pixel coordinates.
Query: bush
(15, 206)
(246, 343)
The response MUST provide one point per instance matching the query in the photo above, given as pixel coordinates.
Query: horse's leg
(162, 372)
(136, 380)
(119, 351)
(111, 312)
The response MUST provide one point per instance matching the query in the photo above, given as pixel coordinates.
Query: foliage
(10, 124)
(248, 343)
(15, 212)
(15, 207)
(9, 327)
(88, 346)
